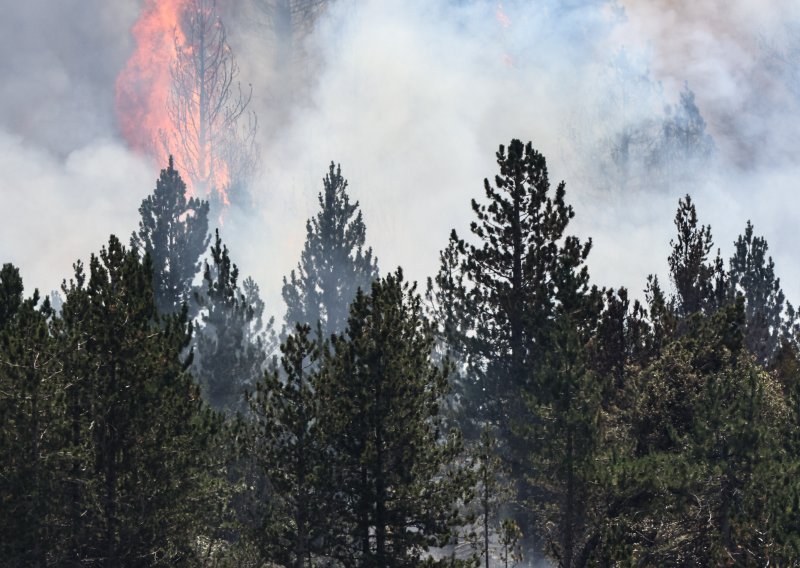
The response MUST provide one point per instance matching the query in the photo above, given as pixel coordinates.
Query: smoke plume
(413, 97)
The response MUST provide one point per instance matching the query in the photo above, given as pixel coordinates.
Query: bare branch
(212, 134)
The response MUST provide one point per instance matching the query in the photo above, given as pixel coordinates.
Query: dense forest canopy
(513, 410)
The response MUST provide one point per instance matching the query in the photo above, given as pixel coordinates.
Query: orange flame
(144, 88)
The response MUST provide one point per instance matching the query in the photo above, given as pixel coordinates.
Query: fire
(143, 87)
(158, 100)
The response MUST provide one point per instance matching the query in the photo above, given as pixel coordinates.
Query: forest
(508, 411)
(543, 393)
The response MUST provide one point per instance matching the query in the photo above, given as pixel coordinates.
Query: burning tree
(211, 131)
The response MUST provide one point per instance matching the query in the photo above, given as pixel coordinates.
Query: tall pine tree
(32, 492)
(173, 230)
(232, 343)
(334, 263)
(512, 276)
(286, 443)
(110, 439)
(699, 283)
(752, 274)
(394, 476)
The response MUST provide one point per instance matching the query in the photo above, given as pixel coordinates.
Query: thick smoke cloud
(413, 97)
(66, 180)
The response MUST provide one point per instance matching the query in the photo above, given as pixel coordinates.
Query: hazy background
(413, 97)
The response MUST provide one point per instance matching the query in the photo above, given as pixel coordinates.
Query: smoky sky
(412, 98)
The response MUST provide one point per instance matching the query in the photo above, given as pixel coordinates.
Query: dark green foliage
(395, 482)
(143, 432)
(662, 318)
(699, 285)
(706, 425)
(232, 343)
(10, 293)
(510, 282)
(334, 263)
(31, 438)
(752, 274)
(287, 445)
(613, 432)
(108, 440)
(623, 337)
(522, 294)
(173, 231)
(565, 435)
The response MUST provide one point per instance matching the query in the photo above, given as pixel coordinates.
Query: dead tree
(212, 132)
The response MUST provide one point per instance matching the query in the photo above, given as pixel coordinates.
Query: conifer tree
(173, 230)
(232, 343)
(623, 337)
(705, 477)
(513, 277)
(10, 293)
(140, 478)
(661, 312)
(699, 284)
(394, 477)
(752, 274)
(334, 263)
(287, 446)
(565, 434)
(31, 491)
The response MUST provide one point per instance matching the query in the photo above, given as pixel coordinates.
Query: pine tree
(623, 337)
(334, 263)
(447, 310)
(10, 293)
(232, 344)
(287, 446)
(173, 230)
(706, 474)
(31, 491)
(394, 477)
(699, 284)
(129, 480)
(661, 312)
(565, 436)
(752, 274)
(512, 280)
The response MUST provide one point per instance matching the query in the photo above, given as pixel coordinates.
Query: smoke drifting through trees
(453, 52)
(413, 98)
